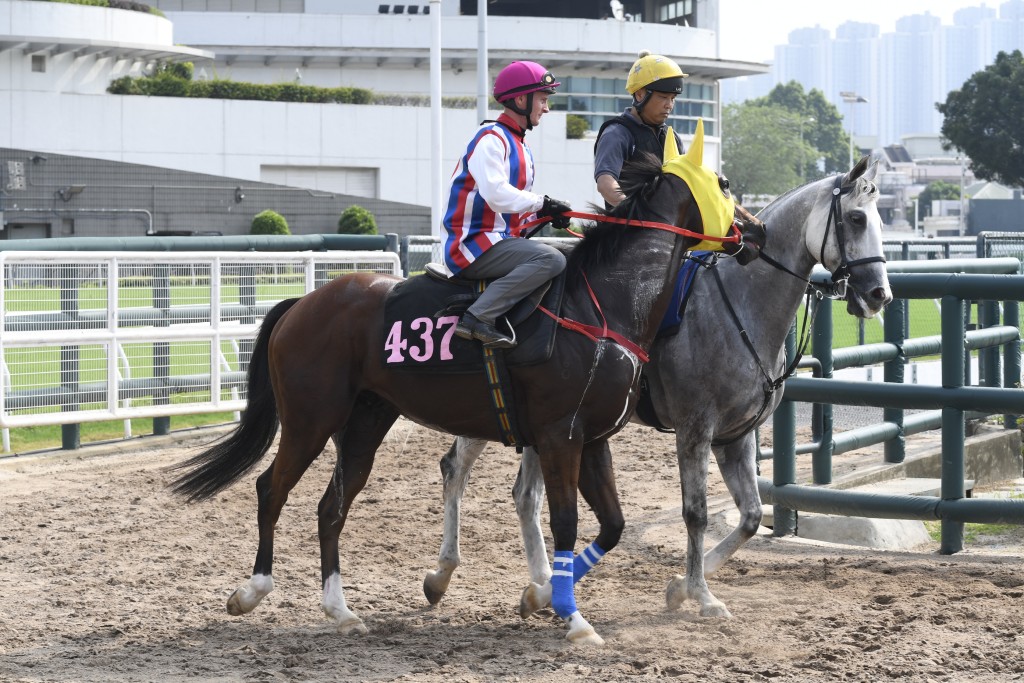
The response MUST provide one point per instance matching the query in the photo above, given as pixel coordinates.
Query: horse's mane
(602, 241)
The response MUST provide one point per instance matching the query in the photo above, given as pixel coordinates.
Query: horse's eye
(723, 183)
(858, 218)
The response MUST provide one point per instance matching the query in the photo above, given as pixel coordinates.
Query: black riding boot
(470, 327)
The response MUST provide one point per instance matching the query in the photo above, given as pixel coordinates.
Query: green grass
(29, 439)
(971, 531)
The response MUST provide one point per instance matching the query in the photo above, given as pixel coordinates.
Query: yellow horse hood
(716, 209)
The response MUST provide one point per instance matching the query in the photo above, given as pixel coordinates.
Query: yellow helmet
(655, 72)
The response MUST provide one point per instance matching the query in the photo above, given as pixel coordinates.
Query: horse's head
(719, 212)
(848, 240)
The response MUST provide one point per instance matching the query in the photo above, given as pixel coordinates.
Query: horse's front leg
(597, 484)
(693, 478)
(737, 465)
(560, 464)
(455, 468)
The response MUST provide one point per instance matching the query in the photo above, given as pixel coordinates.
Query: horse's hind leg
(528, 494)
(294, 454)
(357, 445)
(693, 477)
(455, 467)
(736, 463)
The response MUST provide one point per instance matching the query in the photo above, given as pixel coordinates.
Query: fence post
(989, 370)
(894, 325)
(821, 459)
(1011, 357)
(784, 450)
(70, 434)
(403, 255)
(162, 350)
(952, 539)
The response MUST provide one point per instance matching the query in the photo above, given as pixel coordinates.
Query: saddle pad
(684, 283)
(420, 315)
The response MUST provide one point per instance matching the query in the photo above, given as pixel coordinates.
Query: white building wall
(66, 109)
(238, 138)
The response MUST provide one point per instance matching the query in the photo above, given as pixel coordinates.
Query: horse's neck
(634, 291)
(766, 298)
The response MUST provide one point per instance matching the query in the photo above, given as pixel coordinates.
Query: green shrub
(355, 220)
(269, 222)
(575, 126)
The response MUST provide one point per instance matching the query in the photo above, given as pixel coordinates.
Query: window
(39, 63)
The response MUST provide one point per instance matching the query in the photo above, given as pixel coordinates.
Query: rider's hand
(553, 208)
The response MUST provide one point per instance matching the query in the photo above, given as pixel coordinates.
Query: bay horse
(319, 369)
(715, 380)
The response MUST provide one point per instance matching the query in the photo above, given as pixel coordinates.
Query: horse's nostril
(881, 294)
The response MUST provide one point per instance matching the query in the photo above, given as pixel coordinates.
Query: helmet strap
(639, 104)
(511, 104)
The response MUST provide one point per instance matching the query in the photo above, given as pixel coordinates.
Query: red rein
(591, 331)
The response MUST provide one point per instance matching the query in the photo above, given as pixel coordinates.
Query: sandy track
(106, 577)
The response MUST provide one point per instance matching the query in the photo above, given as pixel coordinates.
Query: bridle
(841, 275)
(837, 290)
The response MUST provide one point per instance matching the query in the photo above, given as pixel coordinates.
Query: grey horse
(742, 314)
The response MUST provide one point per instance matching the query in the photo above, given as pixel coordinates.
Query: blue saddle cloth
(684, 282)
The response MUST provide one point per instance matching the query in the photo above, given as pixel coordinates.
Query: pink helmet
(521, 78)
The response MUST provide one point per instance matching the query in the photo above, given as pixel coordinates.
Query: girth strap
(499, 386)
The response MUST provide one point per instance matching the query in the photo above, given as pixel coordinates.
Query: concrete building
(57, 60)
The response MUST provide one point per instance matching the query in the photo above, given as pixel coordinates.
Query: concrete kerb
(185, 438)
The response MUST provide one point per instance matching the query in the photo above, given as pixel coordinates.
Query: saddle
(420, 314)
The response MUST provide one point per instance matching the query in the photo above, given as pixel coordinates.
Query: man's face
(540, 107)
(657, 109)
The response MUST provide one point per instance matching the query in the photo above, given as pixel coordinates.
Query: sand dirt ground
(104, 576)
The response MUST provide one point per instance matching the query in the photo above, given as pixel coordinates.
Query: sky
(750, 29)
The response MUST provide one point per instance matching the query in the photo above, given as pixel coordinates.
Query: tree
(355, 220)
(269, 222)
(983, 120)
(937, 190)
(760, 150)
(824, 134)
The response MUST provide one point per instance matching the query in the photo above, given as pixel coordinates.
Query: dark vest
(645, 138)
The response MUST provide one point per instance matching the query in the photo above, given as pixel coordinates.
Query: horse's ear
(671, 149)
(696, 152)
(866, 167)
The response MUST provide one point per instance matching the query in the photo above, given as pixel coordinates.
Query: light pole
(852, 98)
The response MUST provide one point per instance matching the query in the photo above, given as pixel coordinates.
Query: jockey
(653, 81)
(490, 196)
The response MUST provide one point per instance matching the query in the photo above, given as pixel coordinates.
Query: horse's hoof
(675, 592)
(588, 637)
(240, 602)
(535, 597)
(435, 585)
(581, 632)
(352, 627)
(715, 609)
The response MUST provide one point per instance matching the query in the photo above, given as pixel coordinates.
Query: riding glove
(553, 208)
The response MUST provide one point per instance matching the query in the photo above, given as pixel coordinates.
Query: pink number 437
(420, 346)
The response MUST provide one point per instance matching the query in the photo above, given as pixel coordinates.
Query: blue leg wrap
(563, 601)
(586, 560)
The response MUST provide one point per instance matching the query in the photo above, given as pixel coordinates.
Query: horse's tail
(226, 461)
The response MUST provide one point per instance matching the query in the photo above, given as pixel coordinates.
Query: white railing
(90, 336)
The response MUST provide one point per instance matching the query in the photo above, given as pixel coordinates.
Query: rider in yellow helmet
(653, 81)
